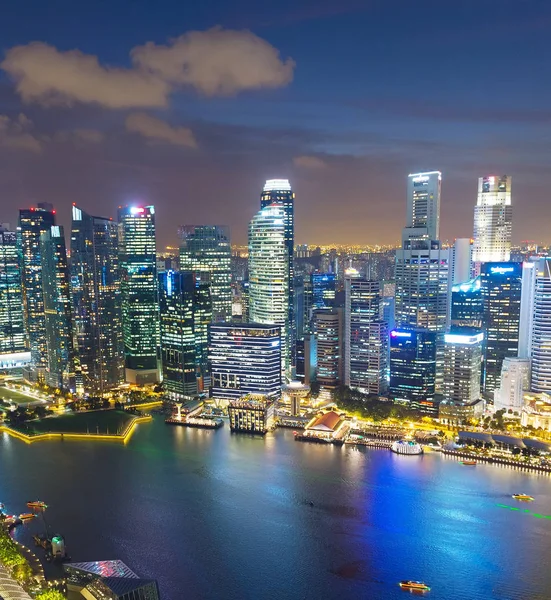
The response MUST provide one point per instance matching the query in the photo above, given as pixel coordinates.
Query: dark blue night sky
(379, 89)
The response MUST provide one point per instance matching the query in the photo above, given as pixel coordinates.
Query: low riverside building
(108, 580)
(329, 426)
(456, 413)
(253, 413)
(536, 411)
(293, 393)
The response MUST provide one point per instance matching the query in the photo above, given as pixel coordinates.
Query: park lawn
(112, 422)
(6, 394)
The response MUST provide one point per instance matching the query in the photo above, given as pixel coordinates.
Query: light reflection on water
(220, 515)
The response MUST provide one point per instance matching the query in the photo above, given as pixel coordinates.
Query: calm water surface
(215, 515)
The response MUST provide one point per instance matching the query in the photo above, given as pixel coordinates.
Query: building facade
(493, 216)
(462, 366)
(139, 297)
(95, 288)
(514, 382)
(244, 358)
(328, 331)
(467, 306)
(206, 250)
(253, 413)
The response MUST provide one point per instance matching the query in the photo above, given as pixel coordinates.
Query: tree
(50, 595)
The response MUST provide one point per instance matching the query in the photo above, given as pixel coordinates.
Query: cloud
(309, 162)
(156, 130)
(88, 136)
(214, 62)
(16, 134)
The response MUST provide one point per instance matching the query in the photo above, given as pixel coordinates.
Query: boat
(416, 586)
(469, 463)
(522, 497)
(27, 516)
(406, 447)
(36, 504)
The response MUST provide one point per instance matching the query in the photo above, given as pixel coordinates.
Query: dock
(197, 422)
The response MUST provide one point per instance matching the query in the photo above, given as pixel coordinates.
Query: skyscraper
(32, 223)
(269, 275)
(365, 335)
(323, 289)
(493, 216)
(462, 366)
(140, 305)
(467, 306)
(514, 381)
(95, 287)
(185, 310)
(13, 343)
(329, 349)
(278, 192)
(423, 204)
(245, 358)
(501, 293)
(58, 310)
(206, 250)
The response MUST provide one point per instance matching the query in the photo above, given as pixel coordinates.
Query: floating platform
(197, 423)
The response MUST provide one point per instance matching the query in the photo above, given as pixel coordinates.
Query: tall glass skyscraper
(329, 348)
(365, 335)
(13, 342)
(58, 310)
(95, 287)
(185, 308)
(467, 306)
(140, 305)
(493, 216)
(269, 275)
(278, 192)
(206, 250)
(323, 289)
(501, 294)
(32, 223)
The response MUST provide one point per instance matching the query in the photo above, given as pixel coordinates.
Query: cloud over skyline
(157, 130)
(15, 134)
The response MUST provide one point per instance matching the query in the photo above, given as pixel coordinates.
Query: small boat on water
(469, 463)
(36, 504)
(27, 516)
(416, 586)
(522, 497)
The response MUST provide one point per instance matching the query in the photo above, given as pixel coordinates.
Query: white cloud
(309, 162)
(92, 136)
(16, 134)
(158, 131)
(214, 62)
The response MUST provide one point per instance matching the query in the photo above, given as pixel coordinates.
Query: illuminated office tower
(140, 305)
(501, 293)
(95, 287)
(461, 261)
(269, 275)
(278, 192)
(514, 382)
(245, 358)
(462, 366)
(323, 289)
(365, 336)
(493, 217)
(423, 205)
(328, 331)
(13, 342)
(467, 306)
(32, 223)
(58, 310)
(185, 312)
(413, 368)
(206, 250)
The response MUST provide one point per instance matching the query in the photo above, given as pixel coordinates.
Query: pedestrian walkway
(9, 588)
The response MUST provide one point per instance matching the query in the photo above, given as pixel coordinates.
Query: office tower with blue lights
(32, 223)
(501, 285)
(139, 296)
(245, 358)
(413, 369)
(185, 312)
(328, 333)
(206, 250)
(365, 336)
(422, 266)
(467, 307)
(323, 289)
(269, 275)
(95, 287)
(278, 192)
(13, 340)
(58, 311)
(493, 216)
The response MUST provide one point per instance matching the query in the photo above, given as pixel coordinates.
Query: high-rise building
(244, 358)
(185, 311)
(58, 310)
(323, 289)
(413, 368)
(514, 381)
(13, 342)
(501, 285)
(95, 287)
(140, 304)
(365, 335)
(278, 192)
(206, 250)
(423, 205)
(493, 217)
(328, 330)
(467, 307)
(461, 261)
(32, 223)
(269, 275)
(462, 366)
